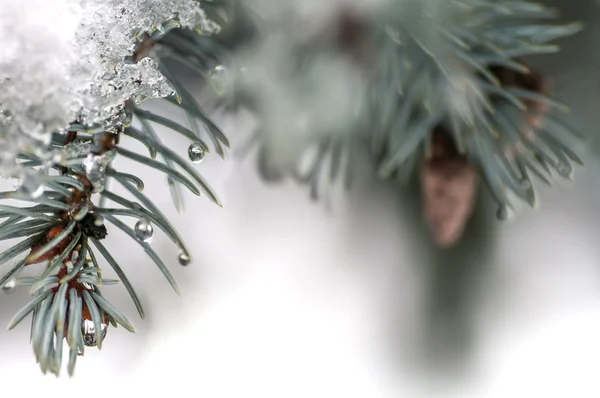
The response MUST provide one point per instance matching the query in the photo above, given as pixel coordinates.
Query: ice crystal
(72, 153)
(70, 60)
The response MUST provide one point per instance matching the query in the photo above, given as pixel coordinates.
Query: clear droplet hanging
(196, 152)
(88, 332)
(564, 169)
(144, 231)
(184, 259)
(9, 287)
(219, 79)
(502, 214)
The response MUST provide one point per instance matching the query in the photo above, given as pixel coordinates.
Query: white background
(289, 298)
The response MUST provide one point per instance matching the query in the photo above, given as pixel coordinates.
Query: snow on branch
(69, 61)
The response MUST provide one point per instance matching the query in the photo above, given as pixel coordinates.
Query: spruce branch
(63, 225)
(457, 65)
(436, 67)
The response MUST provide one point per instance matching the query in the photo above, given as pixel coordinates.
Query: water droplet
(9, 287)
(88, 332)
(564, 169)
(144, 231)
(219, 78)
(196, 152)
(502, 213)
(184, 259)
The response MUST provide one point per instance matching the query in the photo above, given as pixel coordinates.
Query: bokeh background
(291, 298)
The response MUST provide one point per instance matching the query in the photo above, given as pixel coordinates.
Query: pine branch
(452, 66)
(64, 227)
(470, 80)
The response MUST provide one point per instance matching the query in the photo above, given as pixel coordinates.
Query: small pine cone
(449, 184)
(449, 181)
